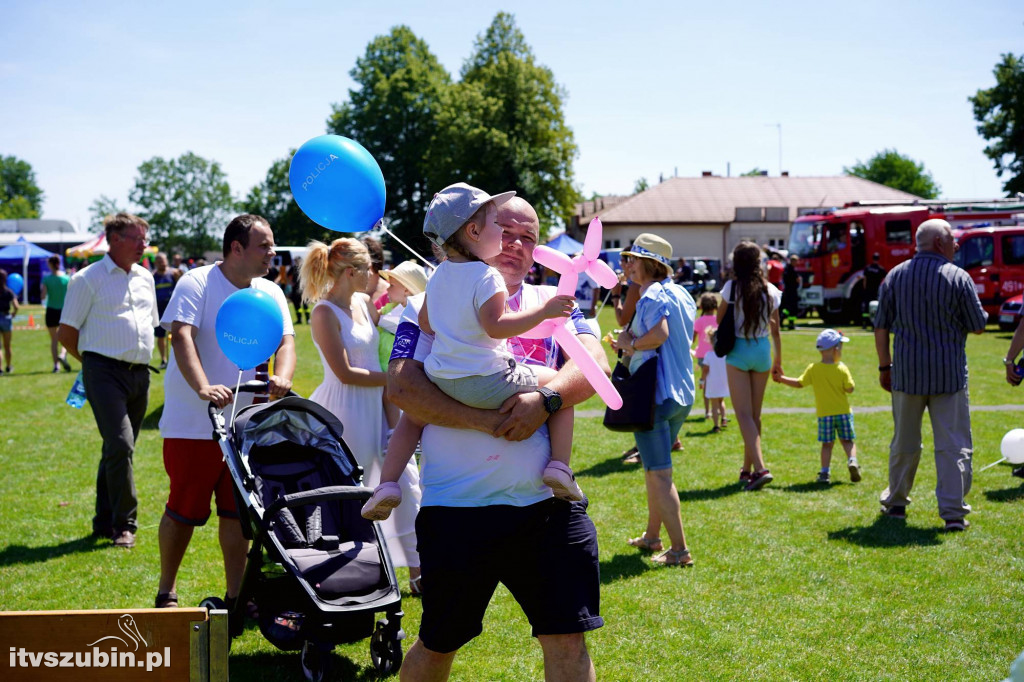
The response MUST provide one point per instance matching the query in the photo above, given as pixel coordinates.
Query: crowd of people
(493, 497)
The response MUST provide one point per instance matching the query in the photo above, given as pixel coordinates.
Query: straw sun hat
(652, 246)
(409, 275)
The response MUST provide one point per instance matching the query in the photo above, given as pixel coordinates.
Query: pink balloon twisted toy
(569, 270)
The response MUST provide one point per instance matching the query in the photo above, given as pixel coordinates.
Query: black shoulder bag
(725, 335)
(637, 391)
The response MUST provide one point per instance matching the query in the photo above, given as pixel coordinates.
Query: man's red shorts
(197, 472)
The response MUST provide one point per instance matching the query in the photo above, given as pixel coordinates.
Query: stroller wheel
(385, 650)
(213, 603)
(316, 661)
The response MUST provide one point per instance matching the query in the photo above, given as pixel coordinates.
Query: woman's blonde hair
(324, 264)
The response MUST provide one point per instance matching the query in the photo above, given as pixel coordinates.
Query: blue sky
(91, 90)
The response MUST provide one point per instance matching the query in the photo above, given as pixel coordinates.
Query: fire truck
(835, 245)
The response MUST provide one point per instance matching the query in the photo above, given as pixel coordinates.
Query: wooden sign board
(135, 644)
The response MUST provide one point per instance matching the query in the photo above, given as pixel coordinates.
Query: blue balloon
(337, 183)
(249, 327)
(15, 283)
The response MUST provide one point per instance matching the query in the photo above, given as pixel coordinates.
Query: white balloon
(1012, 447)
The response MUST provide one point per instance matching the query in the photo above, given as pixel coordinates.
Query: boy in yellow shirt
(831, 380)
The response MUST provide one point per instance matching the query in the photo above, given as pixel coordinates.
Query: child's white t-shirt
(461, 347)
(717, 383)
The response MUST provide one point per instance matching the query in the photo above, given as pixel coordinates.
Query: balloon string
(234, 404)
(411, 250)
(998, 461)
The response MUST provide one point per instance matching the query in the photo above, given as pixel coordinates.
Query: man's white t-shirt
(467, 468)
(461, 347)
(764, 328)
(196, 300)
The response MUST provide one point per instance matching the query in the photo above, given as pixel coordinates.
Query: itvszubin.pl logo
(98, 657)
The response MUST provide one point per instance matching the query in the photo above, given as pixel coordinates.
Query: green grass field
(798, 581)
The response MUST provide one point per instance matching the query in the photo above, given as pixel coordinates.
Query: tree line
(500, 125)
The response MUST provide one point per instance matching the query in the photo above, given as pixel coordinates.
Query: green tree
(100, 209)
(273, 200)
(187, 202)
(393, 113)
(999, 112)
(641, 185)
(890, 168)
(20, 196)
(503, 127)
(756, 171)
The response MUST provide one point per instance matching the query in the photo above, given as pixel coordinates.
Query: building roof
(714, 199)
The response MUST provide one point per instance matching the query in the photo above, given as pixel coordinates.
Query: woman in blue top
(662, 326)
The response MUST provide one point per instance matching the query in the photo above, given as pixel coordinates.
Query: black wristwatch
(552, 399)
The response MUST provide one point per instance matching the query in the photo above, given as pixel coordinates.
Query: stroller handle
(248, 387)
(325, 494)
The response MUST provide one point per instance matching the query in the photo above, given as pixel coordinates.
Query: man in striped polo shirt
(107, 325)
(929, 305)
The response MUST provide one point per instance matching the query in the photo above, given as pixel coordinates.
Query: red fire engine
(835, 245)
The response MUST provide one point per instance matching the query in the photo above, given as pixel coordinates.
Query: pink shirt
(700, 327)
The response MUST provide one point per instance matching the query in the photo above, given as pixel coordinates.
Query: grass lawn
(798, 581)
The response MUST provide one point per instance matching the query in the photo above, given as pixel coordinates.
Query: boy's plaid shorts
(828, 426)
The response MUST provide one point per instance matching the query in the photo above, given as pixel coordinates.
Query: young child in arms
(465, 310)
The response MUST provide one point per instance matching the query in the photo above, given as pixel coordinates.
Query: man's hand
(525, 413)
(279, 386)
(218, 394)
(885, 379)
(1012, 377)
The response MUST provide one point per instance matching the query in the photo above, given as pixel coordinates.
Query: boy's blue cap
(830, 338)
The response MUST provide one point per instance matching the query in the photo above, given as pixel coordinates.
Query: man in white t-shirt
(509, 527)
(199, 373)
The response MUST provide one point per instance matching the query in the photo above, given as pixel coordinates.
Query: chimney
(785, 174)
(706, 174)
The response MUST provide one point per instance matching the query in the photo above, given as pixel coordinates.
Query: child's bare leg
(717, 411)
(826, 454)
(400, 448)
(560, 432)
(851, 459)
(557, 474)
(704, 371)
(388, 495)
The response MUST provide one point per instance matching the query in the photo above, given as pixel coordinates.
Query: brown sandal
(166, 600)
(646, 544)
(670, 558)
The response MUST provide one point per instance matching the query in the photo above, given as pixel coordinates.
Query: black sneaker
(1018, 472)
(895, 511)
(824, 477)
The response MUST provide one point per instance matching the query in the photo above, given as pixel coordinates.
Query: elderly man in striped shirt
(929, 305)
(107, 324)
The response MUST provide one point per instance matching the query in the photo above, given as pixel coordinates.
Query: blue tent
(29, 260)
(565, 244)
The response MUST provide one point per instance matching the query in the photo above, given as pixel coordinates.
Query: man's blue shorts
(544, 553)
(837, 423)
(751, 355)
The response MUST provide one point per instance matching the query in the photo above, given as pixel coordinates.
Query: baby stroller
(317, 570)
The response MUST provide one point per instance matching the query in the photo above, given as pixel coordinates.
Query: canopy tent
(30, 260)
(565, 244)
(97, 246)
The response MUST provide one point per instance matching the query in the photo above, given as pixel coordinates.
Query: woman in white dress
(344, 326)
